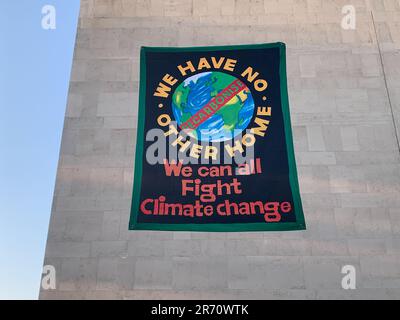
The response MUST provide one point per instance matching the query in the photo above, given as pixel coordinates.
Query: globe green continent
(196, 91)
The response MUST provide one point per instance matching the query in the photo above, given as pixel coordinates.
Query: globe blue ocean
(228, 122)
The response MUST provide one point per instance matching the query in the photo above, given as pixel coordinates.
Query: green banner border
(217, 227)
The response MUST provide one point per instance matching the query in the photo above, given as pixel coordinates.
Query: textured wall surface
(344, 90)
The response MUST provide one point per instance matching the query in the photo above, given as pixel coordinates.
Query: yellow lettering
(189, 66)
(203, 63)
(230, 64)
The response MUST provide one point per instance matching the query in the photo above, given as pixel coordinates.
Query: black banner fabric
(214, 145)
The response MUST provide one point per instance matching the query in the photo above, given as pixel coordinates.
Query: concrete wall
(344, 136)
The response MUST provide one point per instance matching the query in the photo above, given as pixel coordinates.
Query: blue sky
(35, 66)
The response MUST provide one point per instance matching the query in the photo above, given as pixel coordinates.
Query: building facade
(344, 92)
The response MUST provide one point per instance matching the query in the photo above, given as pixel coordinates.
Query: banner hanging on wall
(214, 145)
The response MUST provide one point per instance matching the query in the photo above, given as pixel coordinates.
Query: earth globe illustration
(196, 93)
